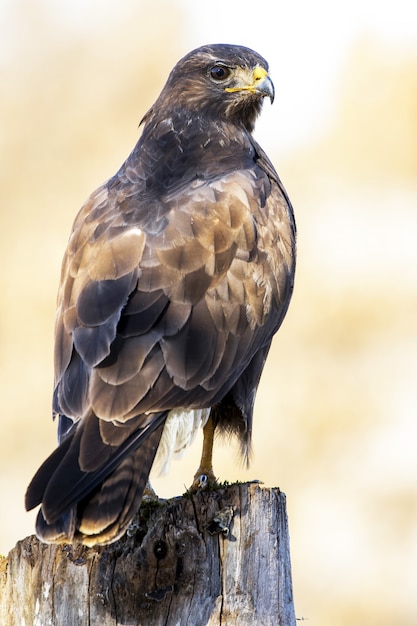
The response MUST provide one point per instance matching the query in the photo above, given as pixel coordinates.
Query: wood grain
(167, 570)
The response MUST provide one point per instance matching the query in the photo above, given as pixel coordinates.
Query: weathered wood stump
(179, 564)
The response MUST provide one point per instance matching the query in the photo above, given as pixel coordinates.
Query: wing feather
(177, 299)
(171, 290)
(114, 402)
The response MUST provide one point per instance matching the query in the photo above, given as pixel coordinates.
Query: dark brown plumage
(178, 272)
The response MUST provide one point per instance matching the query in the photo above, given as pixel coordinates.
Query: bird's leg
(204, 476)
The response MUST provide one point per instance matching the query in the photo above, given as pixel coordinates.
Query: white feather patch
(179, 432)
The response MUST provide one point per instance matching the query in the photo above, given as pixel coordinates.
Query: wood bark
(179, 564)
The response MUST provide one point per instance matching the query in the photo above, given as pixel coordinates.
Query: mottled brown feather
(178, 272)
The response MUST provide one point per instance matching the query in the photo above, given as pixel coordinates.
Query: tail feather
(61, 531)
(107, 515)
(39, 482)
(96, 506)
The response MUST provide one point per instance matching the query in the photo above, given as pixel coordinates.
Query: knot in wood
(160, 549)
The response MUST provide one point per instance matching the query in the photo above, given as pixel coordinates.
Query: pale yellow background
(335, 422)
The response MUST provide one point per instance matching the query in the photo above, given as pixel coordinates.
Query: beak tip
(266, 88)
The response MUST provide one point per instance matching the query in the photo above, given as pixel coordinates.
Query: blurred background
(335, 424)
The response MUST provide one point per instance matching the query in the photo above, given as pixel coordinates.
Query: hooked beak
(265, 88)
(258, 82)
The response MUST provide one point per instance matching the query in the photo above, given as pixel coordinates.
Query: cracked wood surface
(167, 570)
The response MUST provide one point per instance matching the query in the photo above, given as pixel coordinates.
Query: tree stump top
(218, 557)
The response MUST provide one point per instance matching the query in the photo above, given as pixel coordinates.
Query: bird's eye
(219, 72)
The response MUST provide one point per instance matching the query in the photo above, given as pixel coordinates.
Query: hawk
(178, 272)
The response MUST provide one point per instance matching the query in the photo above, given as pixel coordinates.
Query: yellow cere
(259, 73)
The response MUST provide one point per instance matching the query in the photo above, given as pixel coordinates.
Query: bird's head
(225, 82)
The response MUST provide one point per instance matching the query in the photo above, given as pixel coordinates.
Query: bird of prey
(177, 274)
